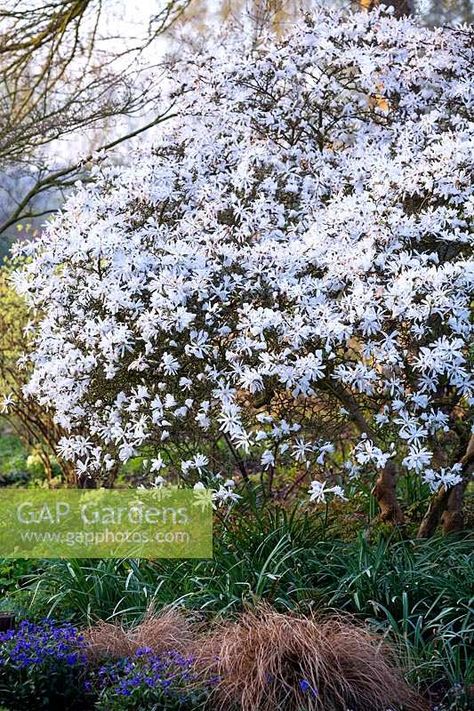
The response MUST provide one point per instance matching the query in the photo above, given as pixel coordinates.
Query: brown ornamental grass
(269, 661)
(170, 630)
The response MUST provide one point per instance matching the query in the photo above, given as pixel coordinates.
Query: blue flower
(169, 675)
(143, 651)
(306, 687)
(34, 644)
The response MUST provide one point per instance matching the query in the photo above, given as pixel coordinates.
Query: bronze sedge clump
(268, 661)
(162, 633)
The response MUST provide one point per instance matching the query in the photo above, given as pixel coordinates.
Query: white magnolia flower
(225, 495)
(319, 490)
(418, 458)
(267, 459)
(202, 496)
(157, 463)
(247, 264)
(8, 401)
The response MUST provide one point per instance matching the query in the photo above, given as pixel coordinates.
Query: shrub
(268, 660)
(285, 278)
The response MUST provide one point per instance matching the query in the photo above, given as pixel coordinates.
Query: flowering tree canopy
(286, 277)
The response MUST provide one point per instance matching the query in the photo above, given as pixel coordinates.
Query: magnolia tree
(285, 280)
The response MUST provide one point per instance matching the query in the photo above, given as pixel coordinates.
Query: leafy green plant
(13, 461)
(14, 573)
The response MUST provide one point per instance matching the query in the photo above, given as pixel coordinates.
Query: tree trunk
(385, 493)
(453, 517)
(402, 7)
(385, 486)
(432, 517)
(86, 482)
(446, 504)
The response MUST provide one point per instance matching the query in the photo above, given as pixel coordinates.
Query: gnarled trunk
(385, 493)
(385, 486)
(447, 504)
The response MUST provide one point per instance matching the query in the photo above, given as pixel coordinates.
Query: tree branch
(53, 179)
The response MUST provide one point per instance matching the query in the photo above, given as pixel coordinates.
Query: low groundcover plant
(150, 681)
(43, 664)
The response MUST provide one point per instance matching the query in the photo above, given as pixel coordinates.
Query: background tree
(441, 12)
(64, 71)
